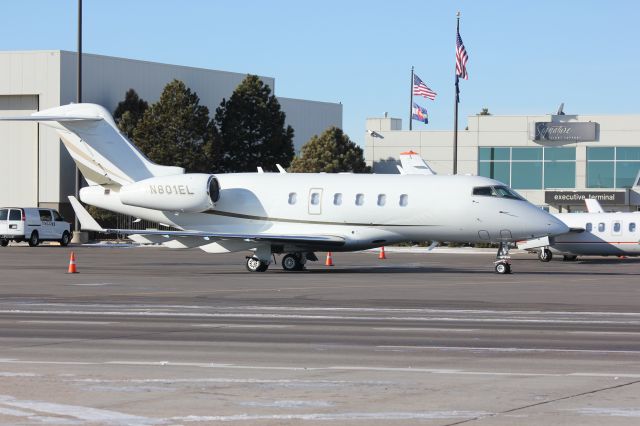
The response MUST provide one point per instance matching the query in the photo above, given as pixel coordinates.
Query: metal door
(315, 201)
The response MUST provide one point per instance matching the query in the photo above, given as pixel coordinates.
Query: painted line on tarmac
(499, 349)
(218, 366)
(275, 316)
(67, 322)
(241, 325)
(324, 308)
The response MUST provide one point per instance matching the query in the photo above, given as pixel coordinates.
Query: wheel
(291, 262)
(568, 258)
(256, 265)
(64, 241)
(4, 242)
(34, 239)
(545, 255)
(503, 268)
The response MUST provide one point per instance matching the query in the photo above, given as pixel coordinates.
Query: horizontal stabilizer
(58, 118)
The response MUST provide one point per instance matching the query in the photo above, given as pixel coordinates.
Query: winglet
(281, 169)
(87, 222)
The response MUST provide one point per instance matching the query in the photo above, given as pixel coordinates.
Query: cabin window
(337, 199)
(359, 199)
(315, 198)
(382, 199)
(601, 227)
(293, 197)
(616, 227)
(404, 200)
(589, 227)
(632, 227)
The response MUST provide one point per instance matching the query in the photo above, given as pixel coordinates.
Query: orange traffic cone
(72, 264)
(329, 261)
(382, 254)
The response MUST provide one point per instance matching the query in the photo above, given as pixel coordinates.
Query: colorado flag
(420, 113)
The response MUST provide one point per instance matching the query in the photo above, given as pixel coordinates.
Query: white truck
(33, 225)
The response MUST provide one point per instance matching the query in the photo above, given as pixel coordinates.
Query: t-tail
(102, 153)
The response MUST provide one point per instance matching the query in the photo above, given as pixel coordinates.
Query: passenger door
(59, 224)
(315, 201)
(46, 224)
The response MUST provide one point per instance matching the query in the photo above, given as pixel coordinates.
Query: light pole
(78, 236)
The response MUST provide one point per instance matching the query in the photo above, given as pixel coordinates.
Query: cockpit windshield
(496, 191)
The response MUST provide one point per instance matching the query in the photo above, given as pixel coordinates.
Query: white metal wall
(19, 153)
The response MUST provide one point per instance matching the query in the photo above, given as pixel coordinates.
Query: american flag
(461, 57)
(421, 89)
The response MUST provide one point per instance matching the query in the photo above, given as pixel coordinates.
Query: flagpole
(455, 115)
(411, 101)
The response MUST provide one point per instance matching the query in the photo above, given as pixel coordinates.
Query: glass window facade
(612, 167)
(529, 167)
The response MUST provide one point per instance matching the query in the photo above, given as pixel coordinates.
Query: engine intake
(188, 193)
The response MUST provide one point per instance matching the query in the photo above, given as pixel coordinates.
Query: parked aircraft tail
(103, 154)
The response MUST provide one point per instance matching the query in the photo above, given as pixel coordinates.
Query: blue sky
(524, 57)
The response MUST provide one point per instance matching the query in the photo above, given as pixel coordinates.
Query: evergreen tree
(250, 129)
(177, 130)
(331, 152)
(129, 112)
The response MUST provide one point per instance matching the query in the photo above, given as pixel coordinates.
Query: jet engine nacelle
(188, 193)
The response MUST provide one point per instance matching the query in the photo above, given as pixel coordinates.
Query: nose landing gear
(503, 263)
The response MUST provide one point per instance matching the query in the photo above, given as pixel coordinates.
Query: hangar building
(37, 171)
(554, 161)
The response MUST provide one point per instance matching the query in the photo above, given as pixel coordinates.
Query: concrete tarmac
(152, 336)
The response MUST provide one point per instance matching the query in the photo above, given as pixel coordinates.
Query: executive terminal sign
(578, 197)
(563, 132)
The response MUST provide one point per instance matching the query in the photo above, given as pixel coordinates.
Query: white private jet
(595, 233)
(285, 213)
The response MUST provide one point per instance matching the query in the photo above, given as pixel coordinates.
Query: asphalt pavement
(147, 335)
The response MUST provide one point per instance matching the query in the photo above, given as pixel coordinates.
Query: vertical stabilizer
(103, 154)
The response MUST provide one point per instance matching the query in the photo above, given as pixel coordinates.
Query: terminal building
(37, 171)
(555, 161)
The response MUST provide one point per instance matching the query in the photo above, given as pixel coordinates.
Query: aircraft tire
(4, 242)
(503, 268)
(291, 262)
(545, 255)
(256, 265)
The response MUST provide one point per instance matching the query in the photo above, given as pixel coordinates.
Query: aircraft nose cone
(555, 226)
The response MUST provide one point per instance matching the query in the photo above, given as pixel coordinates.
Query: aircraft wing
(88, 223)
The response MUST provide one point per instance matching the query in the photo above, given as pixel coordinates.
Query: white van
(33, 225)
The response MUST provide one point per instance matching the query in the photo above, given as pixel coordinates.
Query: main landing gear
(260, 262)
(503, 263)
(294, 262)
